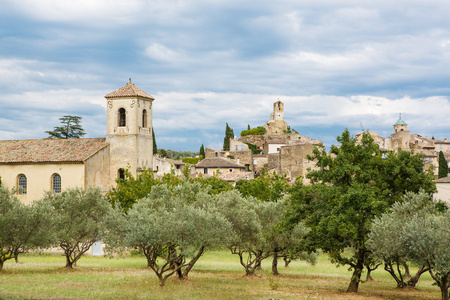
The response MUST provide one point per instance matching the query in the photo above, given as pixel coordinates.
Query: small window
(22, 184)
(231, 170)
(217, 154)
(205, 171)
(56, 183)
(144, 118)
(236, 147)
(121, 174)
(122, 117)
(242, 147)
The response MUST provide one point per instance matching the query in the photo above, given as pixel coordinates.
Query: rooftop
(129, 90)
(49, 150)
(217, 163)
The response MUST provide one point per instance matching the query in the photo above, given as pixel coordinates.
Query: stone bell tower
(129, 130)
(276, 124)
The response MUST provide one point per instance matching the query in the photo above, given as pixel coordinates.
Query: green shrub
(255, 131)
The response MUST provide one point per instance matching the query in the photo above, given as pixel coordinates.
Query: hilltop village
(36, 166)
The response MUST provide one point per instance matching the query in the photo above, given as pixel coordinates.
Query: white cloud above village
(335, 65)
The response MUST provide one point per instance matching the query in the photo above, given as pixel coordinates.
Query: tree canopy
(228, 135)
(352, 184)
(70, 128)
(443, 166)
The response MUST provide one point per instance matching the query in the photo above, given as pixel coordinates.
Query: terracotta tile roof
(217, 163)
(49, 150)
(234, 176)
(443, 180)
(129, 90)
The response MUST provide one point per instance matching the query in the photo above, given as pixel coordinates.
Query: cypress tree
(226, 141)
(155, 148)
(443, 166)
(202, 151)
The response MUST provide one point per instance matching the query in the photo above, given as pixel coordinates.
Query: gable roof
(129, 90)
(217, 163)
(49, 150)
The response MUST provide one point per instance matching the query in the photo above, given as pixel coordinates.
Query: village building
(218, 165)
(33, 167)
(402, 139)
(281, 149)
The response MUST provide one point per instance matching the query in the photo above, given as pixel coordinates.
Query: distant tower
(129, 130)
(400, 125)
(278, 111)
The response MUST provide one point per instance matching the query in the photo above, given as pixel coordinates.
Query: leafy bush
(255, 131)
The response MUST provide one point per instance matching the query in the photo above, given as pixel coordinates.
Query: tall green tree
(226, 140)
(202, 151)
(70, 128)
(443, 166)
(155, 147)
(352, 184)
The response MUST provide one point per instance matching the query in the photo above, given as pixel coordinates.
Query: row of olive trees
(71, 220)
(175, 224)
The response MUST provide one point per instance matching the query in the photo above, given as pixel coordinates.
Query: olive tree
(254, 235)
(23, 227)
(173, 227)
(386, 239)
(77, 220)
(415, 230)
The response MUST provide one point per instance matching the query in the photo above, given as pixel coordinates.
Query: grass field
(217, 275)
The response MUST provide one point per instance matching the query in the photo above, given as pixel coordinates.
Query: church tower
(400, 125)
(278, 111)
(129, 130)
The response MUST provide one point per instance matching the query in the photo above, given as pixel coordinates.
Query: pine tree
(443, 166)
(226, 141)
(202, 151)
(70, 129)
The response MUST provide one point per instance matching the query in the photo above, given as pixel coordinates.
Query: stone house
(35, 166)
(216, 166)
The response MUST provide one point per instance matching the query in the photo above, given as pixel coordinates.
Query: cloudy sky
(335, 64)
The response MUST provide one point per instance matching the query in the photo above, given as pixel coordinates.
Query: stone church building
(33, 167)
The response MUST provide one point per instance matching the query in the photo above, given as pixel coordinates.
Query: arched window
(121, 173)
(144, 118)
(22, 184)
(122, 117)
(56, 183)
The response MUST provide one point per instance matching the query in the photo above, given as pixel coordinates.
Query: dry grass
(217, 275)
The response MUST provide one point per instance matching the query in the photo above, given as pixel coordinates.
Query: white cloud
(161, 53)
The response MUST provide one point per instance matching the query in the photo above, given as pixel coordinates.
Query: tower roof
(129, 90)
(400, 121)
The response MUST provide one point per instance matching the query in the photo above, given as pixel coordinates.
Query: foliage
(416, 230)
(267, 187)
(163, 153)
(352, 184)
(260, 130)
(70, 129)
(443, 166)
(254, 149)
(386, 237)
(202, 151)
(23, 227)
(77, 220)
(288, 130)
(191, 160)
(155, 147)
(215, 185)
(175, 224)
(229, 134)
(129, 190)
